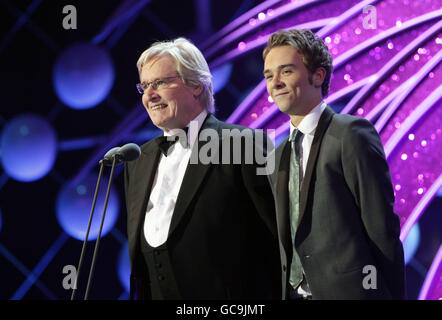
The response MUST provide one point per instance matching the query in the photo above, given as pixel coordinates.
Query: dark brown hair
(314, 52)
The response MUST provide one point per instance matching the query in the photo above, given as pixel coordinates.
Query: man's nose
(276, 82)
(152, 95)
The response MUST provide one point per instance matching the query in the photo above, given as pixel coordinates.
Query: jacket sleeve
(367, 174)
(259, 191)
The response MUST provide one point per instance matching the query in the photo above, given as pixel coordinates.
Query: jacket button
(307, 256)
(160, 278)
(158, 265)
(156, 252)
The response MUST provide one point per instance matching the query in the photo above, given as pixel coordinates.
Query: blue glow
(1, 220)
(29, 147)
(3, 177)
(25, 271)
(80, 143)
(280, 139)
(220, 76)
(411, 243)
(124, 296)
(83, 76)
(74, 205)
(124, 267)
(40, 267)
(81, 189)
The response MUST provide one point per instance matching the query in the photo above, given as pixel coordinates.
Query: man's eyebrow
(279, 67)
(145, 82)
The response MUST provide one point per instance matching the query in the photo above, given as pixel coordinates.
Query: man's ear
(197, 91)
(318, 77)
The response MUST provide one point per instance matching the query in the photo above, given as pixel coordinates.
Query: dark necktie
(166, 142)
(295, 177)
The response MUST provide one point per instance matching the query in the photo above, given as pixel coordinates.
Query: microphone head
(107, 159)
(111, 152)
(129, 152)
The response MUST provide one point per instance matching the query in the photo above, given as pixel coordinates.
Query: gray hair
(191, 66)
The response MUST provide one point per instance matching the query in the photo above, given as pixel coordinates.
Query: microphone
(107, 159)
(128, 152)
(114, 156)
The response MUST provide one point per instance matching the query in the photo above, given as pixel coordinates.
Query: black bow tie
(166, 142)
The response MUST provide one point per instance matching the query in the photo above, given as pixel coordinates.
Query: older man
(196, 230)
(339, 236)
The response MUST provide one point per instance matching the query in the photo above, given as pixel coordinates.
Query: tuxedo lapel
(144, 174)
(282, 159)
(323, 123)
(193, 176)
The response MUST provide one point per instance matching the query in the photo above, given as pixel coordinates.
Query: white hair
(190, 63)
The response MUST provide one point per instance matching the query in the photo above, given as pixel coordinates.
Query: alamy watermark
(370, 17)
(70, 20)
(70, 281)
(233, 146)
(370, 280)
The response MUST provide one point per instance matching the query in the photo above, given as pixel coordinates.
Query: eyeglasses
(160, 83)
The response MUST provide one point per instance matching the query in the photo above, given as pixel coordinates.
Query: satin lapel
(193, 177)
(281, 193)
(323, 123)
(143, 176)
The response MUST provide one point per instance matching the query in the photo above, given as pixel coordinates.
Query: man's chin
(166, 126)
(163, 125)
(284, 108)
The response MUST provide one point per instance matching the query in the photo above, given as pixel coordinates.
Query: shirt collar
(310, 121)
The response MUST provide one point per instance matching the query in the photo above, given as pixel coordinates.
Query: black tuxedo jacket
(222, 239)
(346, 213)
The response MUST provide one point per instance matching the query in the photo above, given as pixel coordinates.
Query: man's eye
(160, 82)
(268, 77)
(287, 71)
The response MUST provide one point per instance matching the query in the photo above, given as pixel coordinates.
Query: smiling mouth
(281, 94)
(158, 106)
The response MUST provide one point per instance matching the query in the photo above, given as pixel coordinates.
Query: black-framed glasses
(160, 83)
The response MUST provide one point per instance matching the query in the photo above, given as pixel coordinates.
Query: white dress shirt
(165, 188)
(308, 127)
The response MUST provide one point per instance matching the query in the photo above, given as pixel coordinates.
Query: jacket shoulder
(345, 121)
(348, 126)
(356, 133)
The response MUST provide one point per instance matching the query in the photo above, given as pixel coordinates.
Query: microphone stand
(101, 226)
(80, 263)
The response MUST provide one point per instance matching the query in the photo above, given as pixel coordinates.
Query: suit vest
(163, 285)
